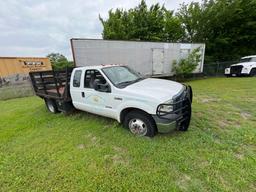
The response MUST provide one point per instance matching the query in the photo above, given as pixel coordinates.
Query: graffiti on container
(4, 81)
(13, 79)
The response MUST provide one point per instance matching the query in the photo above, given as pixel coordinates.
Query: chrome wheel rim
(137, 127)
(50, 106)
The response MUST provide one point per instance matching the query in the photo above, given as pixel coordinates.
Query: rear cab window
(77, 78)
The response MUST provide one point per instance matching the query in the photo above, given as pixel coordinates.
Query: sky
(38, 27)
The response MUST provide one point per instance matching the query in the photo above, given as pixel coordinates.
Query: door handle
(83, 95)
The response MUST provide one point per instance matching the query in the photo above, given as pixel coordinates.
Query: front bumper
(237, 71)
(180, 117)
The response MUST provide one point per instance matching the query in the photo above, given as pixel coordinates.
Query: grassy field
(40, 151)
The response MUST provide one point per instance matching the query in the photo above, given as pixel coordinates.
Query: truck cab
(145, 106)
(246, 67)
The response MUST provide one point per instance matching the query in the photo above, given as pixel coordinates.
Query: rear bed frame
(53, 85)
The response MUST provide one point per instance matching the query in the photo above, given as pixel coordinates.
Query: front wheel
(253, 72)
(140, 123)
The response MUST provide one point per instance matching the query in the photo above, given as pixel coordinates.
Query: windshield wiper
(139, 79)
(126, 83)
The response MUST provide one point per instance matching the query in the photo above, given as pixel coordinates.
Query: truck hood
(158, 89)
(245, 64)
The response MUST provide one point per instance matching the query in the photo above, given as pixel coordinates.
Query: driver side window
(92, 76)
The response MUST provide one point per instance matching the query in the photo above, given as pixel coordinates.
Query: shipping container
(16, 69)
(149, 58)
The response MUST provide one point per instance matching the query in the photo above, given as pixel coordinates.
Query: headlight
(167, 108)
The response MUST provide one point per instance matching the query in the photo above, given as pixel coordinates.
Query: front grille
(181, 106)
(236, 69)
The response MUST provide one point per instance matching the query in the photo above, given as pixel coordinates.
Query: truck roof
(250, 56)
(99, 66)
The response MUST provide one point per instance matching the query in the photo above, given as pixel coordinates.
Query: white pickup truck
(246, 67)
(143, 105)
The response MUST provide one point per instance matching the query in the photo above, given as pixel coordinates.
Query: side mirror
(101, 87)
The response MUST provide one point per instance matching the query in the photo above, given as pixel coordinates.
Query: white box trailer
(149, 58)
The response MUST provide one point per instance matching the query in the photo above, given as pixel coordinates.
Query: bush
(186, 66)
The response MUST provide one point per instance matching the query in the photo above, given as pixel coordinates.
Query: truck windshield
(121, 76)
(249, 59)
(245, 60)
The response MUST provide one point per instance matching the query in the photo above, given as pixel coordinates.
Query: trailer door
(158, 61)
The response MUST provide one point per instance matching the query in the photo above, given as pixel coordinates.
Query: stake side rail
(52, 84)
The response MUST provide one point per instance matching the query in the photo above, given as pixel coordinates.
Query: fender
(252, 68)
(247, 69)
(150, 109)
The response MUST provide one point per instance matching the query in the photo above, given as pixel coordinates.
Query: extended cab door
(80, 92)
(98, 101)
(76, 89)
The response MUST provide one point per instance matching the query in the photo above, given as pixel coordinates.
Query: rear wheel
(140, 123)
(253, 72)
(51, 105)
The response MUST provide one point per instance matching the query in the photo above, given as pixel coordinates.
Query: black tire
(253, 72)
(51, 105)
(148, 121)
(190, 94)
(67, 108)
(185, 124)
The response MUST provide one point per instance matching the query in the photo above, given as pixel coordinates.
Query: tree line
(59, 61)
(228, 27)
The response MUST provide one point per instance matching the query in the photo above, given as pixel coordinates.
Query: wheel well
(253, 69)
(127, 110)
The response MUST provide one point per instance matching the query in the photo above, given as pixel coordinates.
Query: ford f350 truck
(145, 106)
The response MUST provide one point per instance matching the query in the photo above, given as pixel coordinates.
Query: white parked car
(144, 105)
(246, 67)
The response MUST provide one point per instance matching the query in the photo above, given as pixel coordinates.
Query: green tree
(192, 19)
(187, 65)
(148, 22)
(154, 23)
(226, 26)
(118, 26)
(59, 61)
(173, 30)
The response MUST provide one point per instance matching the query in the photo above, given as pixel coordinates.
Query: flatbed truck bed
(53, 85)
